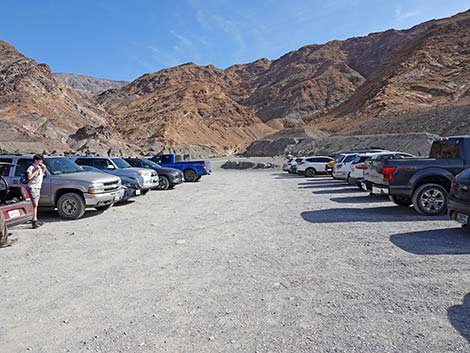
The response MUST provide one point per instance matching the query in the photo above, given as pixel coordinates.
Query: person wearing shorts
(35, 175)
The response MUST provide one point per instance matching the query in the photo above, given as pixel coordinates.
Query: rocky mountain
(92, 85)
(187, 105)
(423, 86)
(38, 113)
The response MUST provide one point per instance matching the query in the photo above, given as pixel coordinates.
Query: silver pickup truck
(66, 187)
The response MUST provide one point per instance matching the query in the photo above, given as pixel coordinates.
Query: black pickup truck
(423, 182)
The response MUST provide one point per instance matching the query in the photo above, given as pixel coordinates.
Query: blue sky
(120, 39)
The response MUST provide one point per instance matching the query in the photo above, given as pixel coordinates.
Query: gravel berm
(243, 261)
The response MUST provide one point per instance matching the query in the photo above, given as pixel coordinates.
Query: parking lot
(243, 261)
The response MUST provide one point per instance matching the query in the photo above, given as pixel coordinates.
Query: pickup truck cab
(423, 182)
(147, 179)
(192, 170)
(66, 187)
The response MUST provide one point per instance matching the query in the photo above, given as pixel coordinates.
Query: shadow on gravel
(359, 199)
(344, 190)
(314, 185)
(378, 214)
(53, 217)
(459, 317)
(286, 176)
(452, 241)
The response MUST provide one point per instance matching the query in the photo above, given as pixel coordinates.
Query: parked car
(313, 165)
(342, 166)
(294, 165)
(362, 162)
(66, 187)
(192, 170)
(459, 198)
(147, 179)
(425, 182)
(15, 204)
(373, 168)
(287, 166)
(168, 178)
(130, 187)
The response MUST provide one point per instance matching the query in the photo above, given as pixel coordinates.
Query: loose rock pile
(247, 165)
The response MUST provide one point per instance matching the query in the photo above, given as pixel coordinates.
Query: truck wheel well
(61, 192)
(440, 180)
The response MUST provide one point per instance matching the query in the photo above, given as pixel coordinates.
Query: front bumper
(175, 180)
(104, 199)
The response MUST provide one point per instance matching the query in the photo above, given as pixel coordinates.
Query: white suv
(311, 166)
(342, 167)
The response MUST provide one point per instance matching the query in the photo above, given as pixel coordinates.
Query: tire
(430, 199)
(71, 206)
(103, 208)
(144, 192)
(347, 178)
(400, 200)
(163, 183)
(310, 172)
(190, 176)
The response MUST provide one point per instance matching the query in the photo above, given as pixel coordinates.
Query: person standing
(35, 175)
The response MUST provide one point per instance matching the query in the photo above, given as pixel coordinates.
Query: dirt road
(244, 261)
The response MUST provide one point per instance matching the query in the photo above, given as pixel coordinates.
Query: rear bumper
(455, 206)
(379, 190)
(104, 199)
(19, 220)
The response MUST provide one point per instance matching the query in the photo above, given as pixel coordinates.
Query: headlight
(95, 188)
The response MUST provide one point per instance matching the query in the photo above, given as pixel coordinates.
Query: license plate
(14, 213)
(379, 191)
(461, 218)
(137, 192)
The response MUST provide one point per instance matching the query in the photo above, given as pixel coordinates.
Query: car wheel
(347, 178)
(71, 206)
(400, 200)
(190, 175)
(163, 183)
(430, 199)
(103, 208)
(310, 172)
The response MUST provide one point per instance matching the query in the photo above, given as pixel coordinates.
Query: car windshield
(57, 166)
(151, 164)
(121, 163)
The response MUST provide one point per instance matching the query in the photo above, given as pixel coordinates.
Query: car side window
(101, 163)
(6, 172)
(312, 160)
(133, 162)
(22, 165)
(165, 159)
(84, 161)
(324, 160)
(349, 159)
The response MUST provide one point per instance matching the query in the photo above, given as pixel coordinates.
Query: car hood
(169, 170)
(130, 172)
(90, 176)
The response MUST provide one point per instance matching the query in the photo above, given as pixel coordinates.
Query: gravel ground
(243, 261)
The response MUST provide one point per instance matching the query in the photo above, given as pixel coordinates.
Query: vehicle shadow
(343, 190)
(372, 215)
(286, 176)
(53, 217)
(459, 317)
(313, 185)
(452, 241)
(359, 199)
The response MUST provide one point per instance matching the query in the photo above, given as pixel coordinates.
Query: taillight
(360, 167)
(388, 173)
(204, 166)
(300, 163)
(452, 184)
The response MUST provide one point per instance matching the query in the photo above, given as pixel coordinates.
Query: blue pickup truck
(192, 170)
